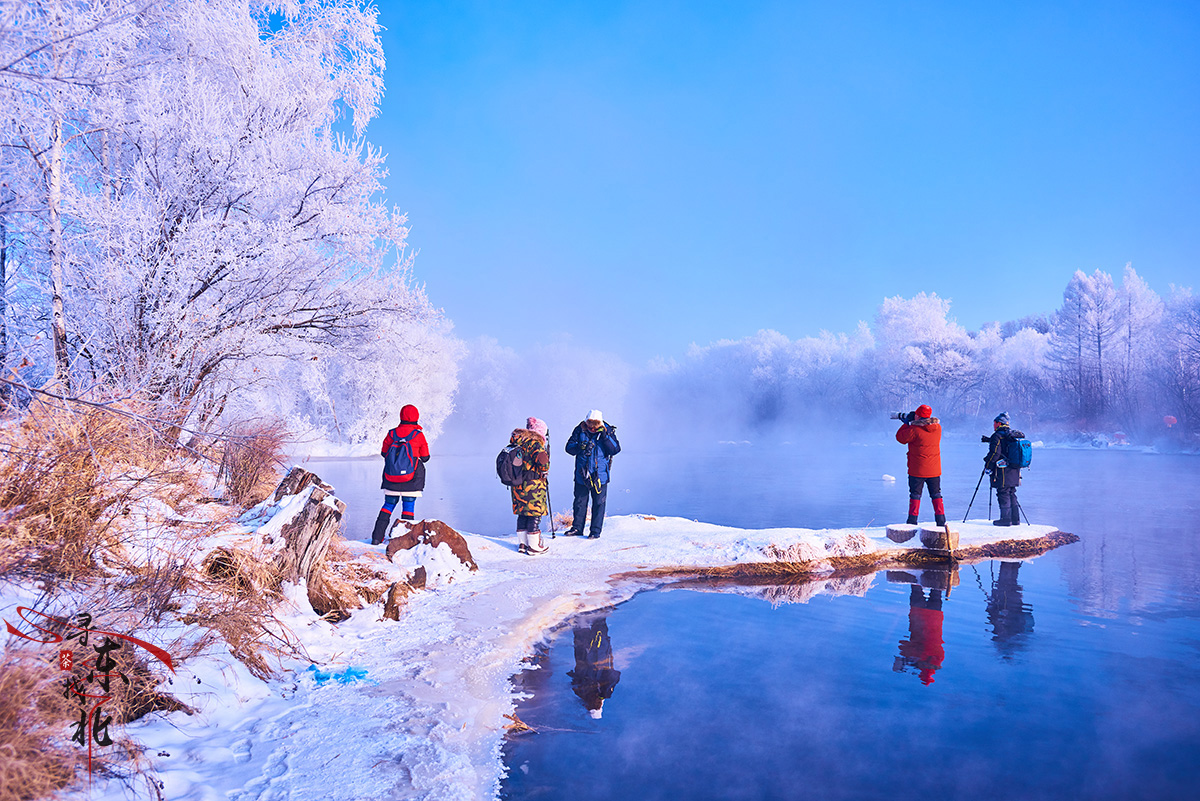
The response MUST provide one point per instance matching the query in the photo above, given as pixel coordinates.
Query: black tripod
(976, 492)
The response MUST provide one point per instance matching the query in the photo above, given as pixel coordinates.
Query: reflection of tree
(593, 678)
(923, 649)
(1009, 615)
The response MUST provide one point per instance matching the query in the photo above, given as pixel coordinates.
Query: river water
(1073, 675)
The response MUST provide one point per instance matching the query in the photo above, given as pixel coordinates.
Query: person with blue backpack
(404, 453)
(593, 443)
(1008, 452)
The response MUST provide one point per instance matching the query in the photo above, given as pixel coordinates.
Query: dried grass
(75, 478)
(67, 478)
(36, 758)
(235, 598)
(251, 459)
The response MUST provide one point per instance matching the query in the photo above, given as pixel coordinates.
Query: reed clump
(251, 458)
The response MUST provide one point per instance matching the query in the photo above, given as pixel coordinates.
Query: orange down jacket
(924, 447)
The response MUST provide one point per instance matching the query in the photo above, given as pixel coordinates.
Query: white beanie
(594, 414)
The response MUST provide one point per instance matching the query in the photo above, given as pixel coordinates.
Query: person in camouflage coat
(531, 499)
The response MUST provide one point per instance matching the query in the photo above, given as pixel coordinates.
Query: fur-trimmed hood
(525, 433)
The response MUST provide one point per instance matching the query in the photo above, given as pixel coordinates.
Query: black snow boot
(381, 524)
(1001, 522)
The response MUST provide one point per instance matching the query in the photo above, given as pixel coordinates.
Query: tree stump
(307, 535)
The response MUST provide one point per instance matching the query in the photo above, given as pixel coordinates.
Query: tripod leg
(973, 494)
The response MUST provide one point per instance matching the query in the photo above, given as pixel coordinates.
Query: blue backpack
(399, 462)
(1018, 451)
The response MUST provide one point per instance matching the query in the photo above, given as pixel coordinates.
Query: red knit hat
(924, 411)
(409, 414)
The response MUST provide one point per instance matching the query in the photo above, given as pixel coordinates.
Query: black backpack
(510, 466)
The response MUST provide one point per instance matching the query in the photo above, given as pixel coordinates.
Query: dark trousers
(916, 484)
(529, 522)
(1009, 510)
(579, 509)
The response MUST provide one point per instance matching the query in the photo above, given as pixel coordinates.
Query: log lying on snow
(868, 562)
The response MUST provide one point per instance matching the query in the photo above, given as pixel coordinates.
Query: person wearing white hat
(593, 443)
(594, 677)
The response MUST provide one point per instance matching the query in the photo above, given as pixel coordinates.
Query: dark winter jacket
(420, 450)
(594, 677)
(593, 452)
(1002, 474)
(923, 437)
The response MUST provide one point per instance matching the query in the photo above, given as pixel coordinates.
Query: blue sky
(635, 177)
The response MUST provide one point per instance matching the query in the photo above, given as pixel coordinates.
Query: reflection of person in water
(1009, 615)
(923, 648)
(593, 678)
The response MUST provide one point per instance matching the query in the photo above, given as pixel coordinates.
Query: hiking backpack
(1018, 451)
(510, 466)
(399, 463)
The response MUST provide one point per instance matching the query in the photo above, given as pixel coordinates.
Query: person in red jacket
(924, 649)
(404, 453)
(922, 433)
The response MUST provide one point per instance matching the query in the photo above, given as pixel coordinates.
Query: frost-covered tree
(55, 57)
(223, 206)
(922, 356)
(1138, 350)
(1180, 366)
(1083, 340)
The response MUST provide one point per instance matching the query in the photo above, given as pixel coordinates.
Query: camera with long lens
(902, 416)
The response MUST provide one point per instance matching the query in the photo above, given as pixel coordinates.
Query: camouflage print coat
(532, 497)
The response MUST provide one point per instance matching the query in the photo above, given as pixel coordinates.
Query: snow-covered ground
(416, 708)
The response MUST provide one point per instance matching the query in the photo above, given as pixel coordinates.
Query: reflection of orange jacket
(924, 448)
(924, 643)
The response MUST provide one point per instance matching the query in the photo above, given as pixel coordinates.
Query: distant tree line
(190, 213)
(1111, 358)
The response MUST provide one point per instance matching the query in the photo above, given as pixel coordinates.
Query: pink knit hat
(539, 426)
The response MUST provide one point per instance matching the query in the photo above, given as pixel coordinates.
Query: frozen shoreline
(416, 708)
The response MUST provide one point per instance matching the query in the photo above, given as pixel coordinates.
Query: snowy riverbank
(416, 708)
